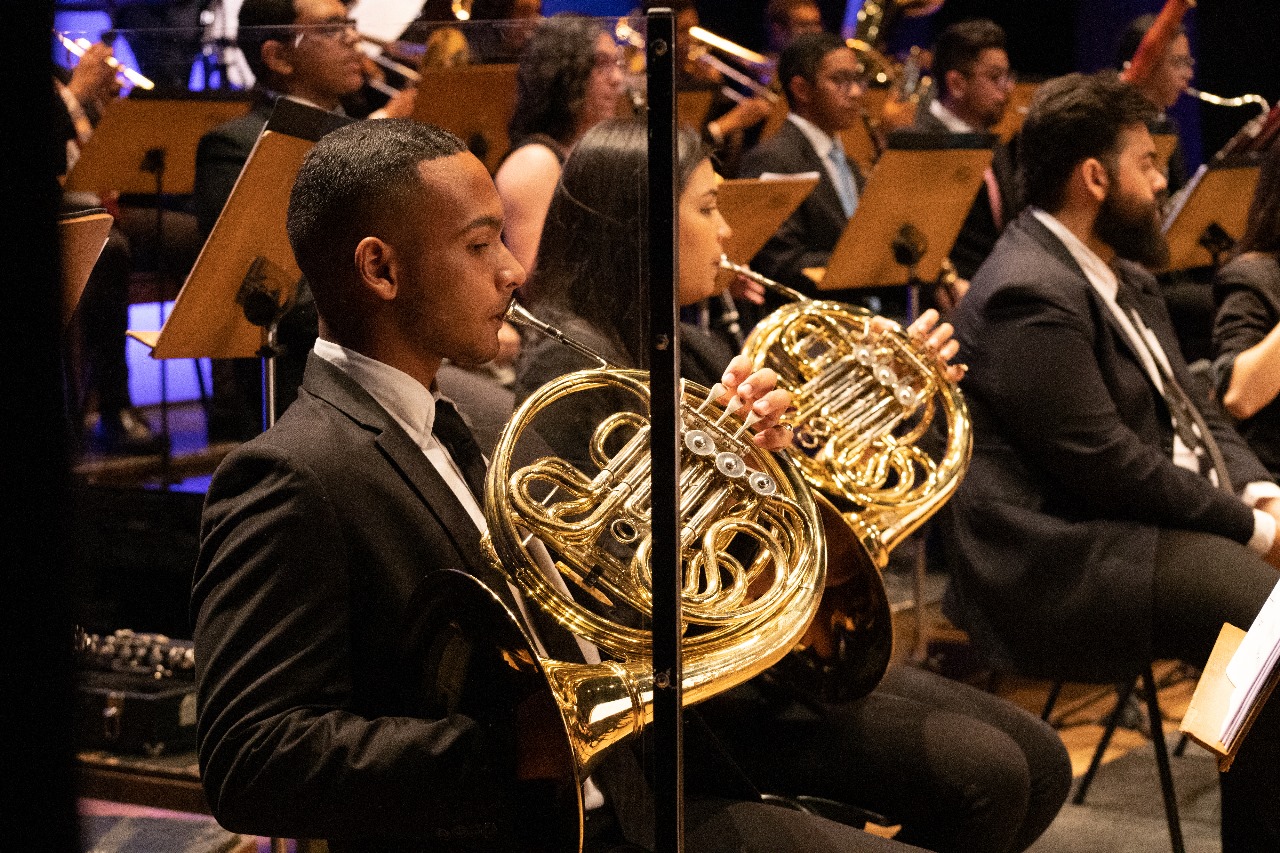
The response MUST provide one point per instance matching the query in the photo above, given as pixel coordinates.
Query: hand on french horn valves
(757, 390)
(938, 338)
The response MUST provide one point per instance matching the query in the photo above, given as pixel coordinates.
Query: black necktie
(1187, 420)
(453, 432)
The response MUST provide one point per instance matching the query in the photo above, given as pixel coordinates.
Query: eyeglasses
(1181, 61)
(845, 80)
(333, 30)
(1000, 78)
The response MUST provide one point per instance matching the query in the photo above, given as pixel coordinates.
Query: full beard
(1132, 229)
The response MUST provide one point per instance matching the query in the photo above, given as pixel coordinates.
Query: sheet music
(1252, 664)
(1179, 199)
(789, 176)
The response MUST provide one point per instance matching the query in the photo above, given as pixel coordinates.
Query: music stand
(146, 146)
(756, 207)
(1165, 143)
(911, 210)
(1209, 214)
(82, 235)
(245, 277)
(475, 102)
(693, 105)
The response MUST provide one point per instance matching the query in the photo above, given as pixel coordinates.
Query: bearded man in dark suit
(1111, 516)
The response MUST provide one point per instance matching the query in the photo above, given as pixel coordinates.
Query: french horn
(868, 402)
(752, 548)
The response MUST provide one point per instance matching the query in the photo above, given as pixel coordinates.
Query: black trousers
(1201, 581)
(960, 769)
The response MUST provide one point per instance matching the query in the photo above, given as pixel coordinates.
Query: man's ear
(801, 90)
(275, 55)
(954, 84)
(1094, 176)
(376, 267)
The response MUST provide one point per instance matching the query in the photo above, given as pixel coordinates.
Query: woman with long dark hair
(568, 81)
(959, 768)
(1246, 332)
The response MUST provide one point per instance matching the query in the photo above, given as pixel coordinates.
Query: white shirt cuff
(1264, 532)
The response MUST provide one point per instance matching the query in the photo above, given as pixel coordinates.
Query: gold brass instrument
(866, 400)
(762, 67)
(77, 47)
(753, 550)
(1240, 101)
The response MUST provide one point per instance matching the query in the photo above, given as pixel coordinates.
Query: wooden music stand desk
(145, 144)
(919, 192)
(247, 255)
(1165, 143)
(755, 208)
(1205, 715)
(1217, 197)
(83, 236)
(1015, 111)
(475, 102)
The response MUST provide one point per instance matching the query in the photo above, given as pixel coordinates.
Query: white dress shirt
(1105, 283)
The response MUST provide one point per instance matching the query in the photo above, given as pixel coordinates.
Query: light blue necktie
(845, 187)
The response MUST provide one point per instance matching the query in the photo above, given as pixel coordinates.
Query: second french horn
(869, 403)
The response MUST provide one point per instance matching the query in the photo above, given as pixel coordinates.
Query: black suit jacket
(1051, 536)
(979, 232)
(808, 236)
(315, 716)
(221, 155)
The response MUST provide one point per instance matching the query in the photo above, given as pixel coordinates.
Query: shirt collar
(1095, 269)
(405, 399)
(821, 141)
(954, 123)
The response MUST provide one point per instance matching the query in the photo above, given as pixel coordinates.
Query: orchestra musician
(973, 84)
(299, 49)
(568, 79)
(102, 315)
(1111, 516)
(822, 80)
(317, 717)
(1246, 343)
(934, 755)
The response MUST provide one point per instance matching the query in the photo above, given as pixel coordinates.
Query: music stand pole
(153, 163)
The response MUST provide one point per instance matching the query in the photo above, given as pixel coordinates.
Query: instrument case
(135, 714)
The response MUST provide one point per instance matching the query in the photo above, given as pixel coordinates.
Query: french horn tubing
(868, 400)
(752, 547)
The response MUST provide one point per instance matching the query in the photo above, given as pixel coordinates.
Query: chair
(1123, 693)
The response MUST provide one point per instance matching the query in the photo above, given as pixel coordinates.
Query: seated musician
(932, 754)
(320, 713)
(102, 315)
(971, 69)
(1246, 345)
(822, 80)
(304, 50)
(1110, 515)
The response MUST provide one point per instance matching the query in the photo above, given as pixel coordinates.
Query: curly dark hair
(551, 82)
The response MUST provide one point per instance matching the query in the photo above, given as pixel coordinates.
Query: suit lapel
(824, 195)
(406, 459)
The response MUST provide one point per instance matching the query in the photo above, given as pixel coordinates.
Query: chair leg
(1122, 699)
(1181, 748)
(1051, 700)
(1162, 762)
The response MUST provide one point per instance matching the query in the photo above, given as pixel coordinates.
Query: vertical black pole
(664, 379)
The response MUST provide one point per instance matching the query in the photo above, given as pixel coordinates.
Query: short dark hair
(257, 24)
(1131, 37)
(802, 57)
(355, 181)
(595, 238)
(1071, 119)
(551, 80)
(961, 44)
(778, 12)
(1262, 230)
